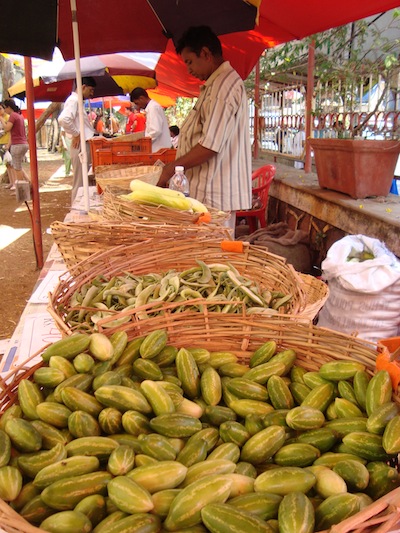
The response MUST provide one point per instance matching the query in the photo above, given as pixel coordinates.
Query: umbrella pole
(309, 97)
(256, 110)
(83, 154)
(36, 222)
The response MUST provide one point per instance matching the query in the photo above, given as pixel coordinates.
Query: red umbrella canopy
(120, 25)
(143, 25)
(146, 25)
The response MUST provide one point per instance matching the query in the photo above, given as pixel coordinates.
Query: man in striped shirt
(214, 142)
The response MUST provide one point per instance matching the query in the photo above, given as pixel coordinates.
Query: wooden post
(256, 110)
(309, 96)
(36, 221)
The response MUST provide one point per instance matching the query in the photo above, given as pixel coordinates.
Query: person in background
(140, 120)
(65, 148)
(98, 123)
(112, 125)
(92, 116)
(130, 121)
(156, 121)
(174, 132)
(214, 142)
(4, 136)
(69, 120)
(4, 141)
(18, 144)
(299, 146)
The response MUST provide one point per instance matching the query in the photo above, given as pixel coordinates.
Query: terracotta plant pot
(359, 168)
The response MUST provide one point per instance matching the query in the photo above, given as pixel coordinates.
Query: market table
(36, 327)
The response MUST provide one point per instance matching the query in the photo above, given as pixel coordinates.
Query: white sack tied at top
(366, 275)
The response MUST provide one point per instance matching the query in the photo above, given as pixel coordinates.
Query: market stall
(191, 390)
(197, 411)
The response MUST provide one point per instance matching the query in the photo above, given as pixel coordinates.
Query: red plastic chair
(261, 182)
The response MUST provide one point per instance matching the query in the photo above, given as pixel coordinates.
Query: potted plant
(352, 160)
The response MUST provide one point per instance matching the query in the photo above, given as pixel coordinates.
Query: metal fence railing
(337, 110)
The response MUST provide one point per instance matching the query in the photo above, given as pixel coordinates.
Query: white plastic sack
(364, 297)
(370, 276)
(7, 157)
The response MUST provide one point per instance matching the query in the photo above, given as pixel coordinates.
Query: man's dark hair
(137, 93)
(198, 36)
(174, 129)
(89, 81)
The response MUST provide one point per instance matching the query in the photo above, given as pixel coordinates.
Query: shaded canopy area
(107, 28)
(278, 22)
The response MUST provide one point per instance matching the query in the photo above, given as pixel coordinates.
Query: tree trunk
(54, 108)
(7, 75)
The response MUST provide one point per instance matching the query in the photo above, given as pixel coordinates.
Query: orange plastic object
(107, 157)
(232, 246)
(116, 146)
(204, 218)
(383, 361)
(261, 182)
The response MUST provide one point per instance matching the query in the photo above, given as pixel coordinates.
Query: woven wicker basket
(105, 168)
(314, 346)
(116, 208)
(316, 293)
(78, 241)
(254, 262)
(123, 176)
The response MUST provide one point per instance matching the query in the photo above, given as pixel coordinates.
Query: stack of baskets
(78, 241)
(122, 222)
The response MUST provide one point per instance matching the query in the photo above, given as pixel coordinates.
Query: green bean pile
(218, 282)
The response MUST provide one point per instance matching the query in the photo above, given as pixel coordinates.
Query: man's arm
(67, 120)
(195, 157)
(7, 126)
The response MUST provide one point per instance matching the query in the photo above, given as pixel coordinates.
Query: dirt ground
(18, 265)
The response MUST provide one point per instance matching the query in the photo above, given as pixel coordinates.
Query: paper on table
(38, 331)
(48, 284)
(95, 200)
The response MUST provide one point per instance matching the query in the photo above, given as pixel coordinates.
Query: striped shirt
(219, 121)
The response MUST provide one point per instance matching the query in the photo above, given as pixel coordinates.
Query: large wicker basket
(116, 208)
(314, 346)
(316, 294)
(77, 241)
(270, 271)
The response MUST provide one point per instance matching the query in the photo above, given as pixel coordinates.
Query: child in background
(174, 131)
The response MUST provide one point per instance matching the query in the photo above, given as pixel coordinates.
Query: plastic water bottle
(179, 181)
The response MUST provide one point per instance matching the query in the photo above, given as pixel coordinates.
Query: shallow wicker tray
(116, 208)
(313, 345)
(268, 270)
(123, 176)
(77, 241)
